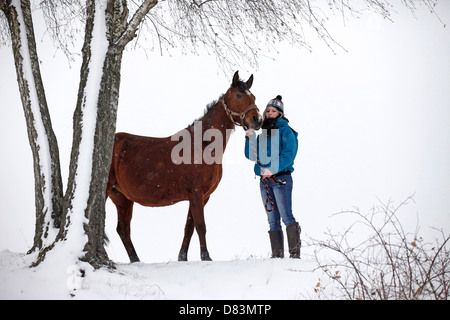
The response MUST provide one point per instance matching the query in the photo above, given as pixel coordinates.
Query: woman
(274, 151)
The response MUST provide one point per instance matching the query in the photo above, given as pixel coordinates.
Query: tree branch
(132, 26)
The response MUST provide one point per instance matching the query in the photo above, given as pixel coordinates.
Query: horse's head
(240, 105)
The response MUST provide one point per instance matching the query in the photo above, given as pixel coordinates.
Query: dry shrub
(388, 263)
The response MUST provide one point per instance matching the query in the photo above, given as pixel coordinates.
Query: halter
(241, 115)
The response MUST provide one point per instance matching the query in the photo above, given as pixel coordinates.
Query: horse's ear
(235, 82)
(249, 82)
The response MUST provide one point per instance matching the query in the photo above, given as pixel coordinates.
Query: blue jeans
(282, 202)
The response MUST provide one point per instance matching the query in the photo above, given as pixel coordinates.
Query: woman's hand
(249, 132)
(266, 174)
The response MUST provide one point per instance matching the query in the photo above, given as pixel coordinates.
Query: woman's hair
(280, 115)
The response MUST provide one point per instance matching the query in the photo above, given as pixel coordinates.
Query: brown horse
(151, 172)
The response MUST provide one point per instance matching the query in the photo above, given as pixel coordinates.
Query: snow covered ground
(265, 279)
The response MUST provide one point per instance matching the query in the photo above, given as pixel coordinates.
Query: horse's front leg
(201, 230)
(204, 254)
(188, 231)
(197, 204)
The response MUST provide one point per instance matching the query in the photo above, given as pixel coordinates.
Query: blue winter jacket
(282, 142)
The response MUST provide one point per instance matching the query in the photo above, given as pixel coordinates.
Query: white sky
(372, 122)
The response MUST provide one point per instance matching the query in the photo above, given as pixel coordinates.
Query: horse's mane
(242, 86)
(207, 109)
(211, 105)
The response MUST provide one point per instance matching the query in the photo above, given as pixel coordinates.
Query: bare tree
(239, 32)
(235, 31)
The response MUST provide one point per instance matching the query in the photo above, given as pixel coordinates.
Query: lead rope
(265, 182)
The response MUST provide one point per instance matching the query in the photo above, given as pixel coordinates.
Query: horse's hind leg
(124, 214)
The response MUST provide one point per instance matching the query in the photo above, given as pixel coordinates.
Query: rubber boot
(293, 235)
(277, 243)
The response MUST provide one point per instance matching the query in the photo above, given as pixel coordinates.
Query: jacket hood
(281, 122)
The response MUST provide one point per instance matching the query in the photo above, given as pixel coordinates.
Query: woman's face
(271, 113)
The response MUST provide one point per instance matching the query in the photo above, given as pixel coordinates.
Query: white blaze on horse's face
(248, 92)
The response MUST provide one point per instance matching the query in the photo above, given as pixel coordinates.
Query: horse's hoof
(205, 256)
(134, 259)
(182, 256)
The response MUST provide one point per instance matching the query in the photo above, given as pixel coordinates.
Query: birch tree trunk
(42, 139)
(107, 33)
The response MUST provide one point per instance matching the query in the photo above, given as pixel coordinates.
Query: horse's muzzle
(257, 122)
(254, 123)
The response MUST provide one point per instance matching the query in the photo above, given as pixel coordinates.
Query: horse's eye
(239, 96)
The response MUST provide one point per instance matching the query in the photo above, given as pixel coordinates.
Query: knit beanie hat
(277, 104)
